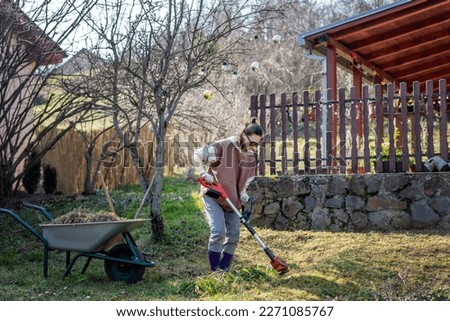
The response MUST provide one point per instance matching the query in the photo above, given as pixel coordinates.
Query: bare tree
(30, 39)
(74, 78)
(280, 67)
(157, 52)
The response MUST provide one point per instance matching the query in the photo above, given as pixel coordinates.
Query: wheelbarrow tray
(87, 237)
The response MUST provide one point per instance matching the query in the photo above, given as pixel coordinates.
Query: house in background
(24, 47)
(77, 64)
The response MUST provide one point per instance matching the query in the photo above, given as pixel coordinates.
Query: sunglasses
(252, 143)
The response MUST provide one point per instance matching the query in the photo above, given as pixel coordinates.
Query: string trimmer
(216, 190)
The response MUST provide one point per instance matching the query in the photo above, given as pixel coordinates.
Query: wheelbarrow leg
(132, 244)
(86, 264)
(45, 262)
(67, 258)
(72, 262)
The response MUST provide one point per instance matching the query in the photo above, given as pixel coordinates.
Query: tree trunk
(134, 150)
(2, 182)
(5, 181)
(157, 227)
(88, 182)
(154, 198)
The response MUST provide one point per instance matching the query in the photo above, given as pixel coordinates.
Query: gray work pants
(224, 227)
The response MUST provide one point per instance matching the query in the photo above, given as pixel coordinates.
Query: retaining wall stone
(394, 201)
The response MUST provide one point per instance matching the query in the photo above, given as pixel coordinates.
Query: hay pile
(85, 216)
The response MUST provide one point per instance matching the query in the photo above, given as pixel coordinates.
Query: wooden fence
(310, 134)
(68, 157)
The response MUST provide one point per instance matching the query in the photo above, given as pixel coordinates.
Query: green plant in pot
(385, 153)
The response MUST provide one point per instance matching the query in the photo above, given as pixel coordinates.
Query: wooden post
(429, 113)
(342, 141)
(356, 128)
(307, 135)
(262, 148)
(357, 84)
(253, 106)
(416, 125)
(443, 119)
(404, 127)
(295, 131)
(391, 127)
(283, 134)
(272, 135)
(378, 128)
(330, 150)
(365, 113)
(318, 113)
(332, 84)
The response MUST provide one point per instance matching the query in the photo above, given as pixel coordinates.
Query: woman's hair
(253, 127)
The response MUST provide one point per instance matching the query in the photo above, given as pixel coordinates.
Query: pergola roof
(406, 41)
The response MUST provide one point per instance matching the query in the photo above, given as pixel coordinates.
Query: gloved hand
(244, 197)
(208, 178)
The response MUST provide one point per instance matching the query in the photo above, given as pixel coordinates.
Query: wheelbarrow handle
(24, 224)
(39, 208)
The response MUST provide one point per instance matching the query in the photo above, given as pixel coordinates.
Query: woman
(232, 163)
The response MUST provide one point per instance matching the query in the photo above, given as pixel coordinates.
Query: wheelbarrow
(95, 240)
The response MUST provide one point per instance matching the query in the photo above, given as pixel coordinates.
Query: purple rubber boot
(214, 260)
(226, 261)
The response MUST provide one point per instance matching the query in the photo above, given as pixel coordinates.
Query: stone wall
(398, 201)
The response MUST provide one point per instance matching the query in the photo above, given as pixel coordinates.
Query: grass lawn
(410, 265)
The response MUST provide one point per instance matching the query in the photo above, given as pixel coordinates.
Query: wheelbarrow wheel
(120, 271)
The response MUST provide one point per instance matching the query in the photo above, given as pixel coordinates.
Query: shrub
(50, 179)
(32, 174)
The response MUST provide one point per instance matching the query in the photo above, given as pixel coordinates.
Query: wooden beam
(332, 84)
(366, 66)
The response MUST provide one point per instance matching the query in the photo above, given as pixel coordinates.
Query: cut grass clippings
(409, 265)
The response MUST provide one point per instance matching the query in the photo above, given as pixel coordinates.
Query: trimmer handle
(214, 187)
(246, 212)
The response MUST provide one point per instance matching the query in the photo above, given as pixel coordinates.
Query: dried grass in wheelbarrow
(85, 216)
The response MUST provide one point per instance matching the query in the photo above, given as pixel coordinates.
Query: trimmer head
(279, 265)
